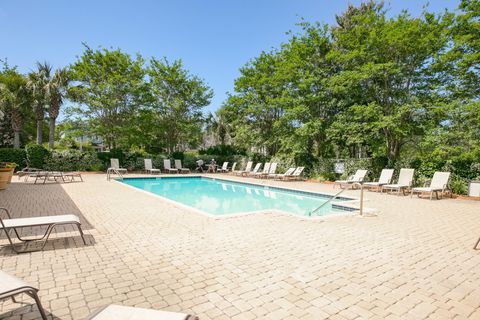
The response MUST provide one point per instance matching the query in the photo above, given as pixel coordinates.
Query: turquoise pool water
(221, 197)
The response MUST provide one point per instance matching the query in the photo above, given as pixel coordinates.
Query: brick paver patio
(412, 261)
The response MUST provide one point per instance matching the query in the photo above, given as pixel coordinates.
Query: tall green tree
(37, 84)
(14, 100)
(109, 87)
(176, 99)
(56, 89)
(385, 73)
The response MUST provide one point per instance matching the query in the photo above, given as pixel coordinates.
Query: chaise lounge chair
(149, 167)
(115, 167)
(232, 169)
(11, 286)
(224, 167)
(282, 175)
(265, 170)
(438, 184)
(405, 181)
(248, 168)
(117, 312)
(178, 166)
(48, 221)
(385, 178)
(296, 175)
(167, 167)
(254, 171)
(271, 171)
(358, 177)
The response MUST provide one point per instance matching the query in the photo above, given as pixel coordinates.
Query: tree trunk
(51, 134)
(16, 139)
(39, 131)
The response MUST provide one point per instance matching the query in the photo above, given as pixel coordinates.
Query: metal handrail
(336, 196)
(109, 173)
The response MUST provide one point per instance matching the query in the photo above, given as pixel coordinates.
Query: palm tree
(14, 100)
(56, 91)
(38, 84)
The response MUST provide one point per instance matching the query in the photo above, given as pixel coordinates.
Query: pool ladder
(114, 171)
(336, 196)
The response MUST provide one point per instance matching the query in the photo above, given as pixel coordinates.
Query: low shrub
(72, 160)
(18, 156)
(37, 155)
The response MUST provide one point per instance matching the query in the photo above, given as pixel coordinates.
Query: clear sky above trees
(213, 38)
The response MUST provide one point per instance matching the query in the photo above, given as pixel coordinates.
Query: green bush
(223, 150)
(37, 155)
(72, 160)
(18, 156)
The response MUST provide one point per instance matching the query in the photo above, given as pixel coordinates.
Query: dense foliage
(399, 90)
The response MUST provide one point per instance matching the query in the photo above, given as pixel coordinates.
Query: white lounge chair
(115, 166)
(282, 175)
(405, 181)
(248, 168)
(385, 178)
(178, 166)
(265, 170)
(224, 167)
(358, 177)
(271, 171)
(254, 171)
(232, 169)
(48, 221)
(117, 312)
(296, 175)
(438, 184)
(167, 167)
(10, 286)
(149, 167)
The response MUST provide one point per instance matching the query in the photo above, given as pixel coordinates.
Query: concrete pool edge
(351, 210)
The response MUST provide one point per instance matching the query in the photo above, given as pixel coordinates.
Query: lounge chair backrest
(385, 176)
(298, 171)
(224, 166)
(440, 180)
(233, 166)
(273, 168)
(178, 164)
(266, 167)
(114, 163)
(148, 164)
(166, 164)
(359, 176)
(405, 178)
(257, 167)
(289, 172)
(249, 166)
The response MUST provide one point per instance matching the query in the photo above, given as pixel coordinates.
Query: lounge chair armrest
(8, 212)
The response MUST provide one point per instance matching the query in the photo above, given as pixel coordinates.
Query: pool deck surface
(413, 260)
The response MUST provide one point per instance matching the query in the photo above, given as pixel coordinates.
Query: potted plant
(6, 173)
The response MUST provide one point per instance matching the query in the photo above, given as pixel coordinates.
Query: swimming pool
(220, 197)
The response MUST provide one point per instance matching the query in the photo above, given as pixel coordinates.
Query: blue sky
(213, 38)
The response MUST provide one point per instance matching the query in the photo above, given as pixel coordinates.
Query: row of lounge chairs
(269, 171)
(438, 184)
(11, 287)
(43, 176)
(167, 167)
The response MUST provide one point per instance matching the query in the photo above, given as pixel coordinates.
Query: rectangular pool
(222, 197)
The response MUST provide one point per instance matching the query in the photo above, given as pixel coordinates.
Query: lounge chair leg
(34, 295)
(13, 299)
(81, 234)
(475, 247)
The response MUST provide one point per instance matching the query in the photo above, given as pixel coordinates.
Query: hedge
(19, 156)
